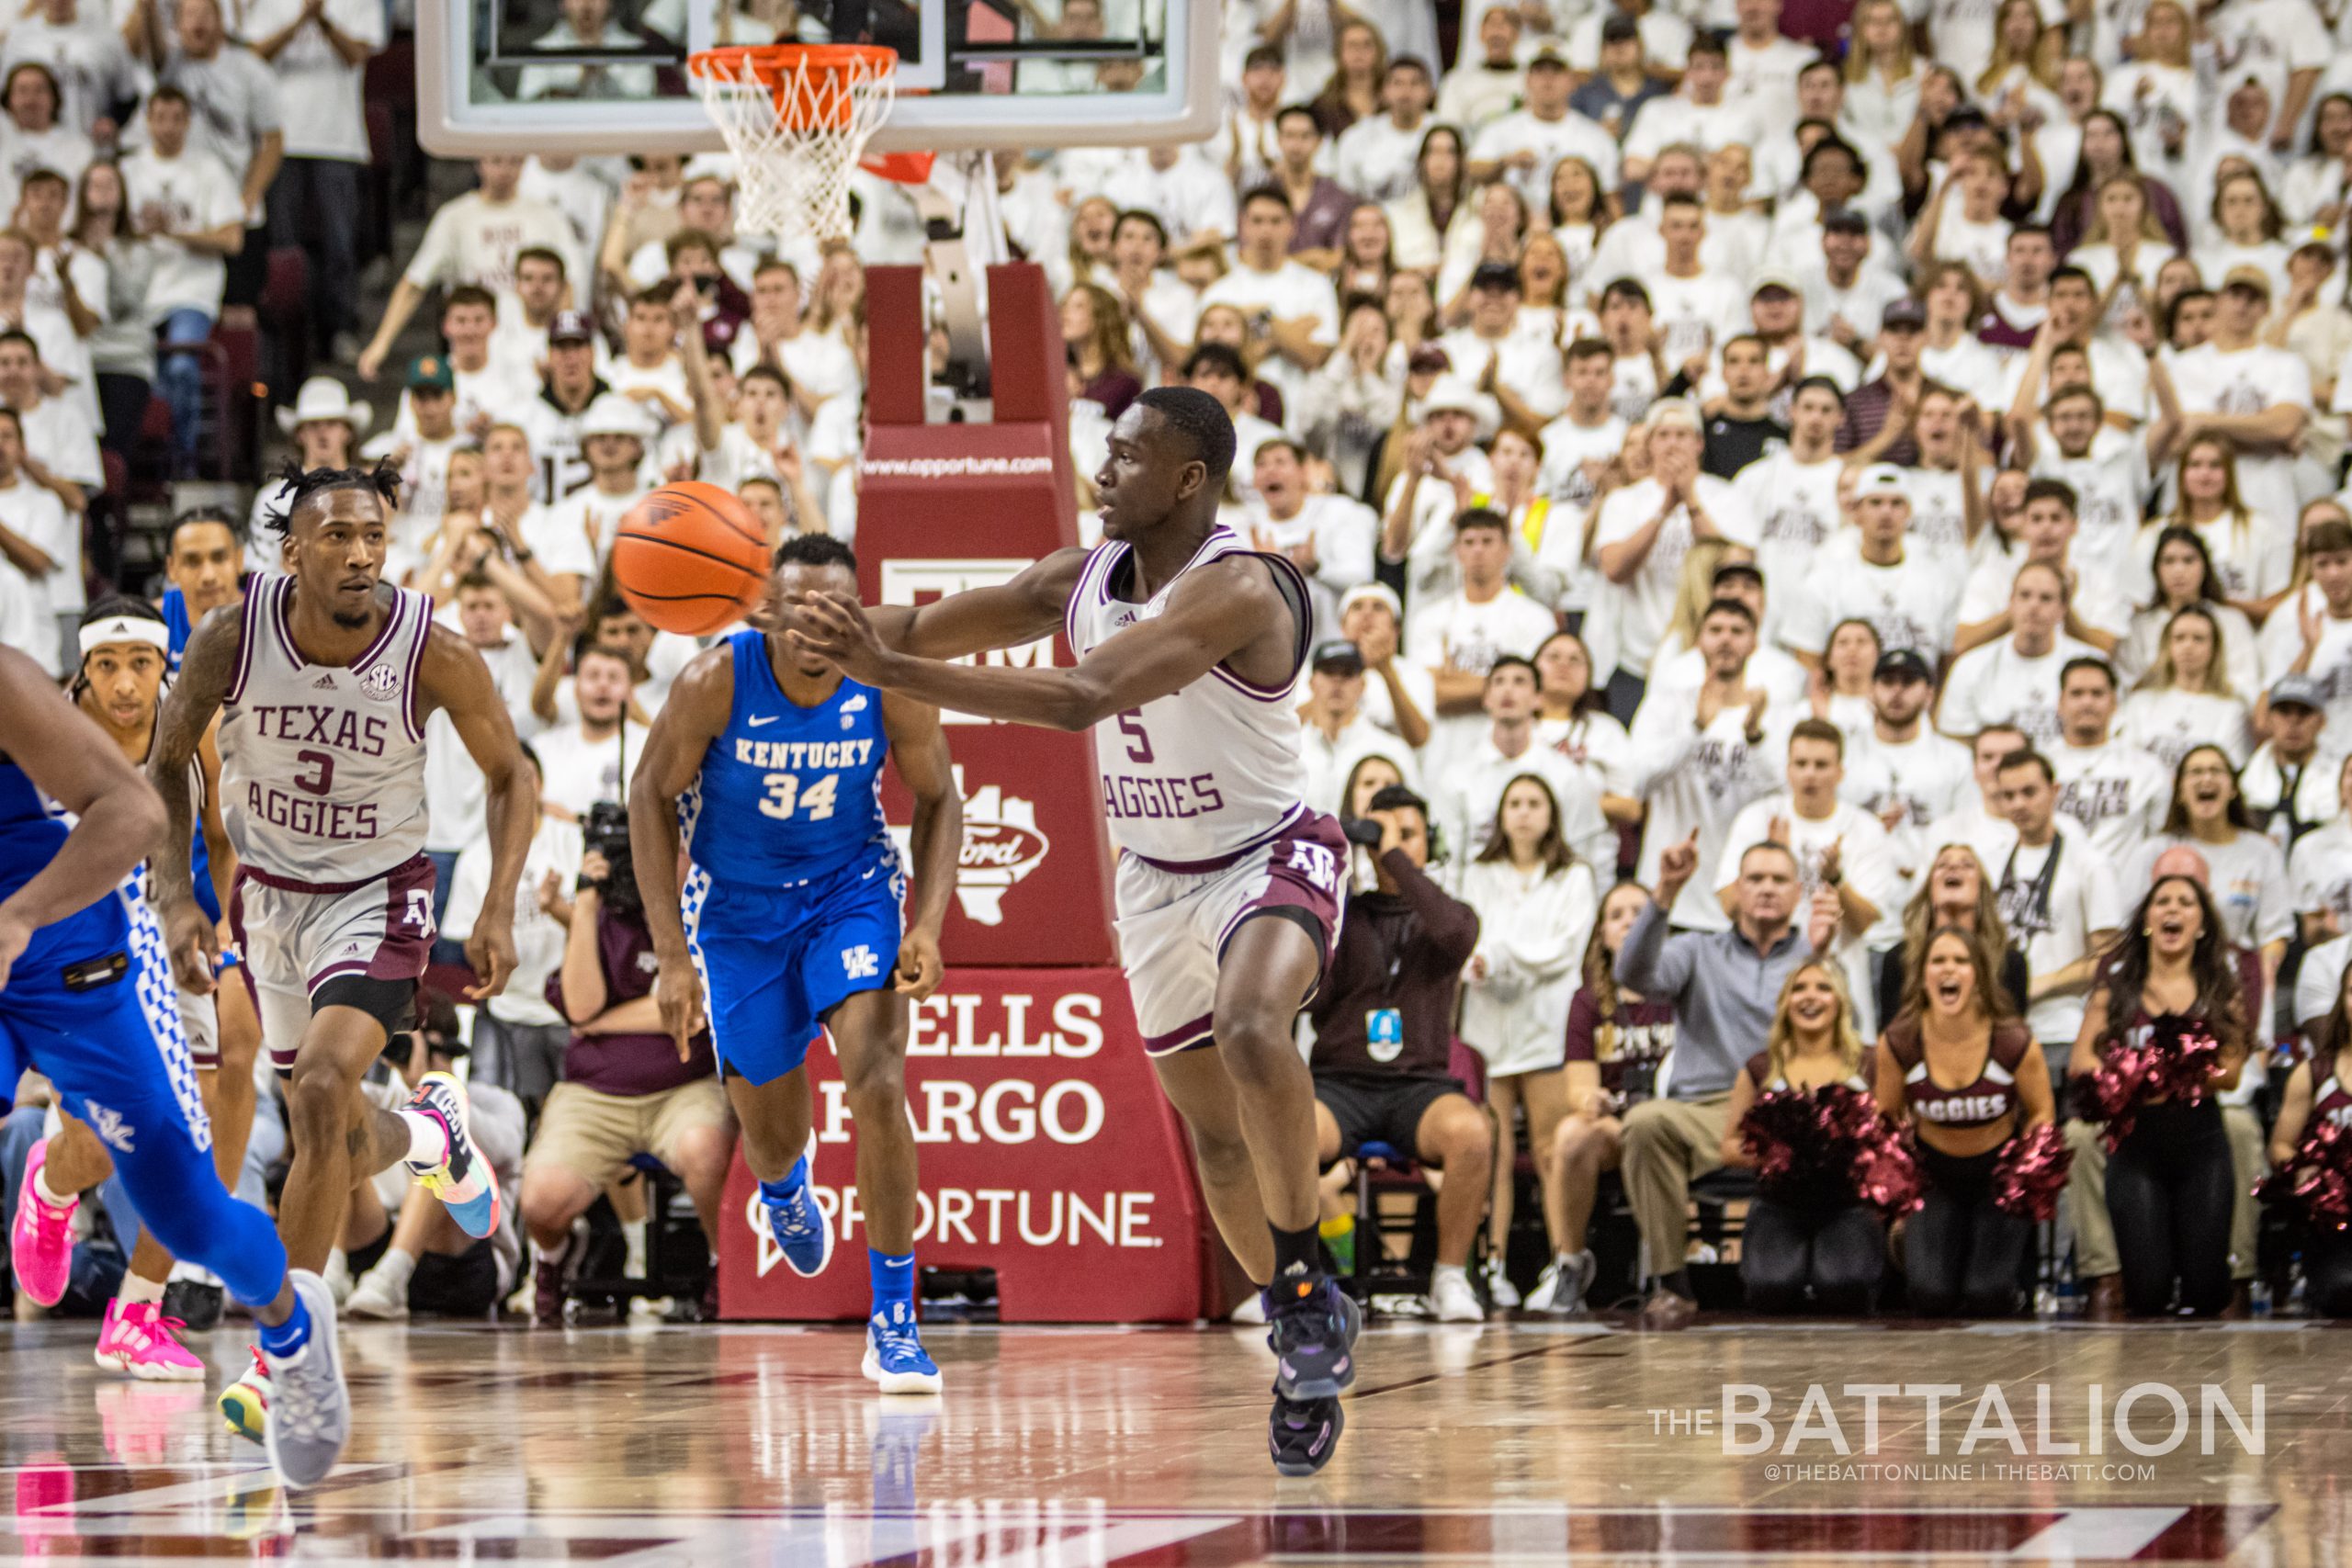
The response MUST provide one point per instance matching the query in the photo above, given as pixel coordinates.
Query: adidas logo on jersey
(324, 683)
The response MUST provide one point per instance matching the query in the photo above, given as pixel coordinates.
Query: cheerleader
(2319, 1092)
(1832, 1247)
(1534, 900)
(2169, 1183)
(1961, 1069)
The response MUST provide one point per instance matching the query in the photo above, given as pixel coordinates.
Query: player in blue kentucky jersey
(769, 765)
(87, 998)
(203, 560)
(118, 687)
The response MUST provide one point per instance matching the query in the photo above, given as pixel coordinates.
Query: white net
(797, 119)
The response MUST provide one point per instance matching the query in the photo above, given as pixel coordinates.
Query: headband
(126, 628)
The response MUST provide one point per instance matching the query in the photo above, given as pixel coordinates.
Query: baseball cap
(1338, 654)
(1451, 392)
(1905, 315)
(2299, 691)
(1774, 277)
(2252, 277)
(1879, 477)
(1494, 275)
(570, 326)
(1902, 664)
(613, 414)
(431, 373)
(1547, 60)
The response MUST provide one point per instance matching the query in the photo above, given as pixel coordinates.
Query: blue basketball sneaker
(798, 1226)
(463, 1180)
(895, 1358)
(1313, 1336)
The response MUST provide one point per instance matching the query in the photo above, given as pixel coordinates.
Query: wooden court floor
(701, 1447)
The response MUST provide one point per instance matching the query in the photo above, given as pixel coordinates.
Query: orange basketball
(691, 558)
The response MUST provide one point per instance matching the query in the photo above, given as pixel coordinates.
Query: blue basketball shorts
(775, 961)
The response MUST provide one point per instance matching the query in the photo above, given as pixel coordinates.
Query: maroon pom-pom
(1827, 1145)
(2317, 1182)
(2030, 1174)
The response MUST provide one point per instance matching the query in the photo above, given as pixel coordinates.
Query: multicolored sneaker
(1313, 1337)
(463, 1180)
(1302, 1434)
(137, 1338)
(245, 1404)
(799, 1227)
(40, 1243)
(310, 1421)
(895, 1360)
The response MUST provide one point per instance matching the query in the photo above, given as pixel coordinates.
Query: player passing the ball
(767, 763)
(324, 680)
(1188, 646)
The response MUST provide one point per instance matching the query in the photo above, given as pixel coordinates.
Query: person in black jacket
(1384, 1036)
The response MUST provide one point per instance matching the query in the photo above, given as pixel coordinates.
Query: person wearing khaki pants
(1723, 985)
(1668, 1144)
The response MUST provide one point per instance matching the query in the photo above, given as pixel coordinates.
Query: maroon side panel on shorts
(408, 942)
(1305, 868)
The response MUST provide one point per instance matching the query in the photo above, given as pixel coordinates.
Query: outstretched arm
(209, 664)
(456, 681)
(918, 751)
(700, 702)
(73, 763)
(975, 621)
(1214, 613)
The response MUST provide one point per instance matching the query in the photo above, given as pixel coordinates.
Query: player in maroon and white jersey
(323, 679)
(1228, 889)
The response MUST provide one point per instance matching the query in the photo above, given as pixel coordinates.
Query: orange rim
(798, 76)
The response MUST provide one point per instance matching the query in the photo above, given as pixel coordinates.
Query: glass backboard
(608, 76)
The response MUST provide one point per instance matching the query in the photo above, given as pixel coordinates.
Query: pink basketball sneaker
(139, 1340)
(40, 1243)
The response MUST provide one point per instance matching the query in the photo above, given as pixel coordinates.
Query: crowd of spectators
(1793, 483)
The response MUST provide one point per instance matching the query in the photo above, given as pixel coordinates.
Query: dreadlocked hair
(296, 487)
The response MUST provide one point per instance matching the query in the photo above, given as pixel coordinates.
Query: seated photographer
(629, 1088)
(1383, 1033)
(420, 1260)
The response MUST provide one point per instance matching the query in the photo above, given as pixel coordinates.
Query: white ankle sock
(395, 1268)
(428, 1143)
(136, 1292)
(48, 1194)
(1457, 1271)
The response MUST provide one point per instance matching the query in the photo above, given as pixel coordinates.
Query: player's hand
(833, 627)
(678, 992)
(194, 944)
(15, 934)
(920, 969)
(491, 950)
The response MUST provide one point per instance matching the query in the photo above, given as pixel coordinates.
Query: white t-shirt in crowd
(322, 98)
(539, 937)
(2116, 793)
(1453, 633)
(35, 515)
(578, 771)
(473, 239)
(2168, 725)
(1867, 863)
(1909, 604)
(2054, 911)
(195, 191)
(1646, 604)
(1997, 684)
(1698, 779)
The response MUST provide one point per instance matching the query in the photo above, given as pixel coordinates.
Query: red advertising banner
(951, 506)
(1048, 1153)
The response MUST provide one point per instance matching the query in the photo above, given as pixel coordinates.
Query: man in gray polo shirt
(1723, 985)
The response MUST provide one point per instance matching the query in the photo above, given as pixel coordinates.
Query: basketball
(691, 558)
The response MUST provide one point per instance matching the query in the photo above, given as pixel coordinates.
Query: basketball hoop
(797, 118)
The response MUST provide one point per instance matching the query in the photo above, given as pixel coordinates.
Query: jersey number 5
(785, 796)
(1138, 742)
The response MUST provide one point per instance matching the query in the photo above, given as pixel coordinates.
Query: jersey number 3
(785, 796)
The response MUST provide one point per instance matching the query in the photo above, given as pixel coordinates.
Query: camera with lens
(605, 832)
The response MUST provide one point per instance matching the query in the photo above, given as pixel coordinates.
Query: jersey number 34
(785, 797)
